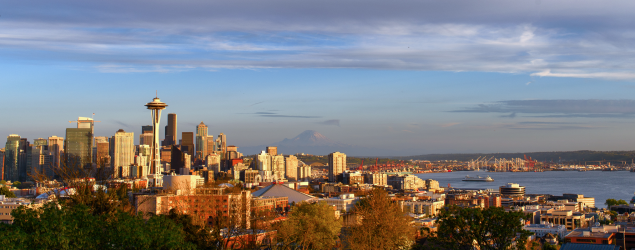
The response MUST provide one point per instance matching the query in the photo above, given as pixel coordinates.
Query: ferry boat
(478, 178)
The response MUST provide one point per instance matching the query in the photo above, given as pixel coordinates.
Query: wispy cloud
(333, 122)
(559, 108)
(488, 36)
(446, 125)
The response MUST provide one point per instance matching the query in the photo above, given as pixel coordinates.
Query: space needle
(155, 167)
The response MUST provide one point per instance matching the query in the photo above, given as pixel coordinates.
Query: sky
(415, 77)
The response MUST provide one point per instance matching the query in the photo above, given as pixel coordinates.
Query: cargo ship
(478, 178)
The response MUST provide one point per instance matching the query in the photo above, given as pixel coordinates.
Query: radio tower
(155, 167)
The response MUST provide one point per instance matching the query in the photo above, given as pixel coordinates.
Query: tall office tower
(277, 166)
(102, 153)
(201, 141)
(78, 148)
(263, 161)
(210, 144)
(11, 157)
(155, 168)
(24, 160)
(223, 143)
(1, 163)
(337, 165)
(56, 147)
(187, 142)
(124, 152)
(291, 168)
(41, 160)
(170, 131)
(272, 150)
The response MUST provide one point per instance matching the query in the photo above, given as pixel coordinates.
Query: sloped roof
(581, 246)
(278, 190)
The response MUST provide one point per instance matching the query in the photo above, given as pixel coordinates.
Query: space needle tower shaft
(155, 166)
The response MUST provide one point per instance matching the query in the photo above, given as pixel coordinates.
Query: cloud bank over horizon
(543, 39)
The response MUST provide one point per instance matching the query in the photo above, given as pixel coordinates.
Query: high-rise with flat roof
(201, 141)
(187, 142)
(124, 152)
(170, 130)
(11, 156)
(337, 165)
(222, 143)
(78, 147)
(291, 168)
(56, 147)
(211, 148)
(24, 160)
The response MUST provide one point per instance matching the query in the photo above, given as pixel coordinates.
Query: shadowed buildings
(170, 131)
(187, 142)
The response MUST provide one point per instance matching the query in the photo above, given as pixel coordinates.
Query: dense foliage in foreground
(76, 227)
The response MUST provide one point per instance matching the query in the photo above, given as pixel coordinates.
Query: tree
(613, 202)
(492, 228)
(75, 227)
(16, 183)
(382, 224)
(6, 192)
(309, 226)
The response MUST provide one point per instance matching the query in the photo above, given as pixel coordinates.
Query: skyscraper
(201, 141)
(187, 142)
(78, 148)
(291, 165)
(222, 143)
(210, 144)
(124, 152)
(11, 156)
(337, 165)
(24, 160)
(41, 160)
(278, 167)
(170, 131)
(102, 157)
(56, 147)
(1, 163)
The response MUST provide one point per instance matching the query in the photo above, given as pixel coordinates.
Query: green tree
(4, 190)
(492, 228)
(382, 224)
(613, 202)
(76, 227)
(309, 226)
(16, 183)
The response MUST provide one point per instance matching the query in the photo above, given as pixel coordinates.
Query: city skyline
(480, 78)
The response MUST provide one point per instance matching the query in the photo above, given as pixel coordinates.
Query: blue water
(597, 184)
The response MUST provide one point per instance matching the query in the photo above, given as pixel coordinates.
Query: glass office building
(79, 147)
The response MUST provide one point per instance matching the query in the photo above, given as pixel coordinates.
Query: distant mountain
(312, 142)
(556, 156)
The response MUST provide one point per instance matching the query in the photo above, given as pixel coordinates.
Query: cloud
(561, 40)
(334, 122)
(449, 124)
(593, 108)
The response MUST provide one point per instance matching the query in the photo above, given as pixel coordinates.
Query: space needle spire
(155, 166)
